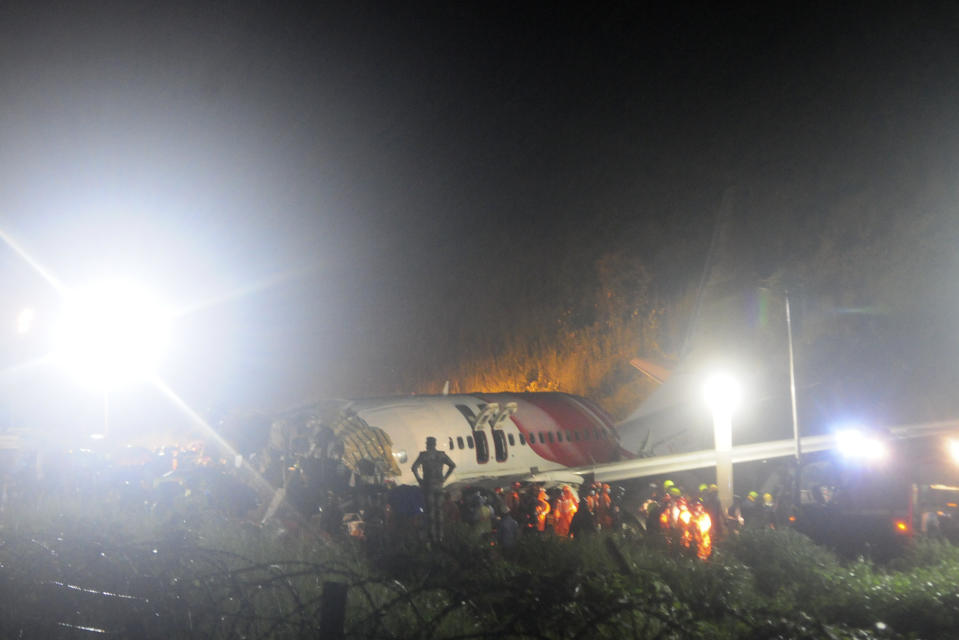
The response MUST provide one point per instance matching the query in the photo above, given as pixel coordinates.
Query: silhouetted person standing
(432, 463)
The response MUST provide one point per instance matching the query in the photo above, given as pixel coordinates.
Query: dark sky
(343, 182)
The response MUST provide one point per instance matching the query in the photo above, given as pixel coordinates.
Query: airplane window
(549, 434)
(509, 437)
(576, 435)
(459, 441)
(451, 443)
(559, 436)
(522, 439)
(469, 441)
(542, 438)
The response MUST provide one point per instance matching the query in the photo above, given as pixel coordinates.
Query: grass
(198, 574)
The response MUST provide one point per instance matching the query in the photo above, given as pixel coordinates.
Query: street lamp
(723, 395)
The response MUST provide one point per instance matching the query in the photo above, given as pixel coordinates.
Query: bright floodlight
(111, 334)
(25, 320)
(853, 443)
(952, 446)
(722, 393)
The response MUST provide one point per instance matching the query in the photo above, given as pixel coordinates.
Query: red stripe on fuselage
(555, 413)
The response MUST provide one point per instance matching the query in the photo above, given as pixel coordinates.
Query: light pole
(723, 395)
(797, 493)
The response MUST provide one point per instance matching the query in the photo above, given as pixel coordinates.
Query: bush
(206, 575)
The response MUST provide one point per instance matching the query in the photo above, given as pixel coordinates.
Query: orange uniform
(566, 507)
(604, 508)
(542, 510)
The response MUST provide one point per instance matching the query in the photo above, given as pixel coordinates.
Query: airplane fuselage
(499, 435)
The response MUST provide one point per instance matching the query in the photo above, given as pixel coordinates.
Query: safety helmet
(703, 487)
(674, 491)
(713, 488)
(668, 483)
(753, 495)
(768, 498)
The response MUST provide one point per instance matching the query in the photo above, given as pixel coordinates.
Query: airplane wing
(666, 464)
(551, 477)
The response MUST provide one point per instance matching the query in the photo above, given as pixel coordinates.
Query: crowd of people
(327, 501)
(505, 513)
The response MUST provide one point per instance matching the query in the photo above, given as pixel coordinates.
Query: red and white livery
(498, 436)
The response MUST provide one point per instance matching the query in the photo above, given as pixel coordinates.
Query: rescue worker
(499, 501)
(432, 463)
(674, 517)
(752, 511)
(734, 514)
(513, 501)
(702, 493)
(672, 502)
(592, 499)
(712, 506)
(768, 511)
(604, 508)
(542, 510)
(651, 509)
(582, 523)
(565, 511)
(701, 530)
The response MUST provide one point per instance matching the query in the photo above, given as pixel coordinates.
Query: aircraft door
(479, 425)
(499, 436)
(499, 445)
(482, 447)
(489, 419)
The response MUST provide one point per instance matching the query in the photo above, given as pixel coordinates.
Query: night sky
(337, 191)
